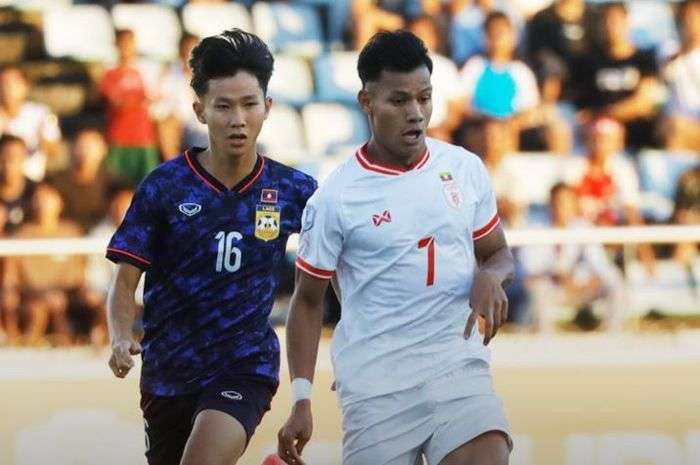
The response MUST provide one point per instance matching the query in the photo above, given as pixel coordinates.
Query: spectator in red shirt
(131, 132)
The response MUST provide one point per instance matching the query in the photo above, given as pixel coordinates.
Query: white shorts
(431, 419)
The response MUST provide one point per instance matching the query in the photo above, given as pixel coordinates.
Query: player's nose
(414, 112)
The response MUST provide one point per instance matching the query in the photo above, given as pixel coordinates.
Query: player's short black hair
(226, 54)
(400, 51)
(7, 139)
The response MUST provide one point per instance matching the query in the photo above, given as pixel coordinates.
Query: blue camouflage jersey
(211, 257)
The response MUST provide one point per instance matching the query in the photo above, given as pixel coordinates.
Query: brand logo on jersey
(451, 190)
(190, 209)
(384, 217)
(267, 222)
(233, 395)
(268, 196)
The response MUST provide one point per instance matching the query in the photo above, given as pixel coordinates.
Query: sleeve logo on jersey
(267, 222)
(451, 190)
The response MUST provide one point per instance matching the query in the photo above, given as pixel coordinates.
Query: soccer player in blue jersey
(209, 229)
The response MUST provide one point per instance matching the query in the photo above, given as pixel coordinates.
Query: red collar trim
(364, 161)
(215, 185)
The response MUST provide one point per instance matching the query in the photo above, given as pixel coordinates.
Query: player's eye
(398, 101)
(221, 106)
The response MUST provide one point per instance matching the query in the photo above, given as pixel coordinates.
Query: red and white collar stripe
(364, 161)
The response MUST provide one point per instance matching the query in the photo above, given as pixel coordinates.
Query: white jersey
(401, 244)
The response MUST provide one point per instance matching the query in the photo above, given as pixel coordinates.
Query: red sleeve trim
(130, 255)
(312, 270)
(481, 232)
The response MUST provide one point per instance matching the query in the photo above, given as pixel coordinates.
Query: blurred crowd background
(585, 113)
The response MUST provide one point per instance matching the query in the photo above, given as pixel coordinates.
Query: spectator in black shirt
(621, 82)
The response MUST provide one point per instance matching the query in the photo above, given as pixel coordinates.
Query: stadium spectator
(621, 81)
(178, 125)
(131, 132)
(687, 211)
(608, 187)
(31, 121)
(369, 17)
(571, 275)
(9, 294)
(498, 86)
(683, 77)
(51, 286)
(16, 189)
(559, 33)
(85, 185)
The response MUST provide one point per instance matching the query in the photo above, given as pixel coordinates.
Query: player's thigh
(386, 430)
(466, 407)
(216, 439)
(489, 448)
(168, 423)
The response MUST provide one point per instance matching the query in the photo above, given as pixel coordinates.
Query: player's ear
(198, 108)
(364, 99)
(268, 105)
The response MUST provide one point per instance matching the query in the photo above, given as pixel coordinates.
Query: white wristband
(301, 389)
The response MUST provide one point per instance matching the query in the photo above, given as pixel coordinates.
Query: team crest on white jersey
(451, 190)
(267, 222)
(189, 208)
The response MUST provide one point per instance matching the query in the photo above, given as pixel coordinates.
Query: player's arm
(121, 313)
(303, 333)
(495, 271)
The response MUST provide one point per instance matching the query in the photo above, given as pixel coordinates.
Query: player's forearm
(501, 265)
(121, 308)
(303, 333)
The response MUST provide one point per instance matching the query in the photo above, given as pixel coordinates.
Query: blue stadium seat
(160, 42)
(291, 82)
(289, 27)
(333, 127)
(336, 77)
(653, 26)
(658, 176)
(672, 290)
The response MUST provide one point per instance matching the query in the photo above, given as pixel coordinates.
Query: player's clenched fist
(295, 433)
(488, 300)
(121, 360)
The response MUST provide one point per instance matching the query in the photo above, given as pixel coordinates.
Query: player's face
(234, 109)
(399, 107)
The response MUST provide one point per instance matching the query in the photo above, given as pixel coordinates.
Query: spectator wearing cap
(31, 121)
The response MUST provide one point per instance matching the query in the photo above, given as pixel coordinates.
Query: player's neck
(384, 156)
(228, 170)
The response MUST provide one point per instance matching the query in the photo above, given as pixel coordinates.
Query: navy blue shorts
(168, 420)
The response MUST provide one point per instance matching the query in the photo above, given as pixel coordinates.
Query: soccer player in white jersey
(409, 229)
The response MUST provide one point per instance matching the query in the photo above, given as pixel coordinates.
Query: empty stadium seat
(658, 176)
(672, 290)
(446, 85)
(282, 135)
(336, 77)
(83, 32)
(653, 25)
(291, 82)
(333, 127)
(157, 28)
(289, 28)
(204, 19)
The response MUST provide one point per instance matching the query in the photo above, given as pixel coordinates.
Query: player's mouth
(412, 136)
(237, 139)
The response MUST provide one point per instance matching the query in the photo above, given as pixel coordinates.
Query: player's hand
(488, 300)
(295, 433)
(122, 360)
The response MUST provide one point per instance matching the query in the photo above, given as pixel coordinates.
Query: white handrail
(516, 237)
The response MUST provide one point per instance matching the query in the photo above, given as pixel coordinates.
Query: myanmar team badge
(267, 222)
(451, 190)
